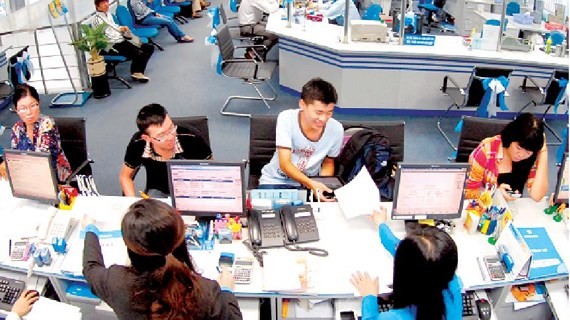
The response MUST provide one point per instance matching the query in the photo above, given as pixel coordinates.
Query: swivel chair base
(260, 96)
(441, 129)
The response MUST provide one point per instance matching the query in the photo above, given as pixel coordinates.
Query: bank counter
(391, 79)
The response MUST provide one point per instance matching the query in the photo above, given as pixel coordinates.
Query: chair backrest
(225, 43)
(513, 7)
(373, 12)
(557, 37)
(475, 89)
(493, 22)
(234, 5)
(393, 130)
(473, 131)
(200, 123)
(261, 145)
(124, 16)
(74, 142)
(552, 88)
(223, 14)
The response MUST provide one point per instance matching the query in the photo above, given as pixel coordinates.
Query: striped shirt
(140, 9)
(112, 32)
(484, 161)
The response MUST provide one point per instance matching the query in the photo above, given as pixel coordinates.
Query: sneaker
(140, 77)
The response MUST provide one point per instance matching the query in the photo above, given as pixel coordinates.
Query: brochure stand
(57, 9)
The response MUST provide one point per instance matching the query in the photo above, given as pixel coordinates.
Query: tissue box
(523, 18)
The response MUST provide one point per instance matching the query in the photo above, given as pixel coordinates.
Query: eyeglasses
(25, 109)
(165, 135)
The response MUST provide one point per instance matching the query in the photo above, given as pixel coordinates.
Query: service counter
(391, 79)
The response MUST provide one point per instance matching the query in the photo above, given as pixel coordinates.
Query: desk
(354, 240)
(391, 79)
(535, 27)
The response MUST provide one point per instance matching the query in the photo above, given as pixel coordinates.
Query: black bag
(368, 147)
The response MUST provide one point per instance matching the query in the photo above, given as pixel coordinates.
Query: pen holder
(63, 206)
(199, 237)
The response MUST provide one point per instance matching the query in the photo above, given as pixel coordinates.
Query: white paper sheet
(358, 197)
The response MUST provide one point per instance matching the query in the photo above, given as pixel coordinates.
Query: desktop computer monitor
(205, 188)
(562, 187)
(429, 191)
(31, 175)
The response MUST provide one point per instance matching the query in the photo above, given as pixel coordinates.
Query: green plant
(92, 40)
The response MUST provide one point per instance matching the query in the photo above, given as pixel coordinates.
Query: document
(546, 261)
(283, 272)
(44, 307)
(358, 197)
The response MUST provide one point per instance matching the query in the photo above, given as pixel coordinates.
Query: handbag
(133, 39)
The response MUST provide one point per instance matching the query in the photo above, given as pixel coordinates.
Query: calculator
(19, 250)
(495, 268)
(243, 268)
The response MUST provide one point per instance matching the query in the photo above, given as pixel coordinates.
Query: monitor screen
(205, 188)
(561, 193)
(429, 191)
(31, 175)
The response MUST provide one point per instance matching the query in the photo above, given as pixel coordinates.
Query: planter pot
(99, 82)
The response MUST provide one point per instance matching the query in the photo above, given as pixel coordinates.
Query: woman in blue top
(424, 285)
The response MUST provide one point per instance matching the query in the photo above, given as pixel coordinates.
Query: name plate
(419, 40)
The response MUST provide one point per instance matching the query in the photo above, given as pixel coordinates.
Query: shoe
(185, 39)
(140, 77)
(196, 16)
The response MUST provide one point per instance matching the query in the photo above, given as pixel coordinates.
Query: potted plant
(93, 40)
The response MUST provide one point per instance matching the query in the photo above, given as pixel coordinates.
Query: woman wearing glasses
(37, 132)
(158, 141)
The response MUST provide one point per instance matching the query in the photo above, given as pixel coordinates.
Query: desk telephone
(292, 224)
(58, 225)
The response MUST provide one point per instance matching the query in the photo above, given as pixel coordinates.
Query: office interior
(184, 81)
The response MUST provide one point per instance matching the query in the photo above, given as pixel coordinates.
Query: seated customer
(119, 45)
(251, 12)
(509, 160)
(334, 11)
(146, 16)
(157, 141)
(307, 141)
(161, 282)
(23, 305)
(424, 282)
(36, 132)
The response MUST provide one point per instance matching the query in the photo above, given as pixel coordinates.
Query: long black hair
(424, 264)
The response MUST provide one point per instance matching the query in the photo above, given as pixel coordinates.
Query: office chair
(125, 18)
(550, 95)
(112, 61)
(473, 131)
(74, 145)
(252, 72)
(6, 87)
(261, 145)
(393, 130)
(474, 95)
(512, 8)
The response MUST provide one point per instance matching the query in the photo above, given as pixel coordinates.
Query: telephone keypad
(272, 231)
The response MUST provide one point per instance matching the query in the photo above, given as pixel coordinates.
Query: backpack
(367, 147)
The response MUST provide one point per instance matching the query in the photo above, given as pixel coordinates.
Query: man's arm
(267, 6)
(294, 173)
(327, 168)
(126, 180)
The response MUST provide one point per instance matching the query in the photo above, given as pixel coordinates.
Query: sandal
(185, 39)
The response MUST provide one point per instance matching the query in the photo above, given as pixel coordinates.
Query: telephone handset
(299, 224)
(58, 225)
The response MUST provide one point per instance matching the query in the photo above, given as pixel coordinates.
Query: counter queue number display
(31, 175)
(205, 188)
(429, 191)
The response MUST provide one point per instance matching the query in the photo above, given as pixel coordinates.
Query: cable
(312, 250)
(258, 254)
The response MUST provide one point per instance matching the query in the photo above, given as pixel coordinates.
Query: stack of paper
(358, 197)
(284, 273)
(44, 307)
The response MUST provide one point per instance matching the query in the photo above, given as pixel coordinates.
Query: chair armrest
(253, 46)
(444, 86)
(524, 87)
(76, 171)
(240, 60)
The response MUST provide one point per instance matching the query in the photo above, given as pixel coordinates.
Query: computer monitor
(31, 175)
(429, 191)
(561, 192)
(205, 188)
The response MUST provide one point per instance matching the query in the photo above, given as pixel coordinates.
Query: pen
(144, 195)
(10, 247)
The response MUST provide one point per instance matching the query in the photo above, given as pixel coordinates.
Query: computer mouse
(483, 309)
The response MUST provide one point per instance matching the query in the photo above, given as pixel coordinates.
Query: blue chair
(493, 22)
(112, 62)
(373, 12)
(171, 11)
(125, 18)
(185, 8)
(234, 5)
(512, 8)
(557, 37)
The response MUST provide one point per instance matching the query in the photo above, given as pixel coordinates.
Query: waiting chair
(473, 131)
(470, 96)
(261, 145)
(125, 18)
(250, 71)
(512, 8)
(112, 61)
(74, 144)
(373, 12)
(550, 95)
(393, 130)
(557, 37)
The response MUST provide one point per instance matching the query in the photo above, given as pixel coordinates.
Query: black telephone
(266, 226)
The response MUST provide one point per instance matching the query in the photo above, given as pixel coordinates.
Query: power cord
(312, 250)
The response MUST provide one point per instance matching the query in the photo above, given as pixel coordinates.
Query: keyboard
(469, 305)
(384, 305)
(10, 290)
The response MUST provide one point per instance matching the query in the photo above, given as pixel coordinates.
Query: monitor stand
(413, 226)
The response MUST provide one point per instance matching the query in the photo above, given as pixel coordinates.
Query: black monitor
(205, 188)
(31, 175)
(561, 192)
(429, 191)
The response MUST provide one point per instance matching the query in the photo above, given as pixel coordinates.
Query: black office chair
(250, 71)
(112, 61)
(473, 131)
(549, 95)
(393, 130)
(261, 145)
(74, 144)
(198, 123)
(471, 95)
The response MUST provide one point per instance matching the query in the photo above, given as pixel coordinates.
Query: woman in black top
(162, 282)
